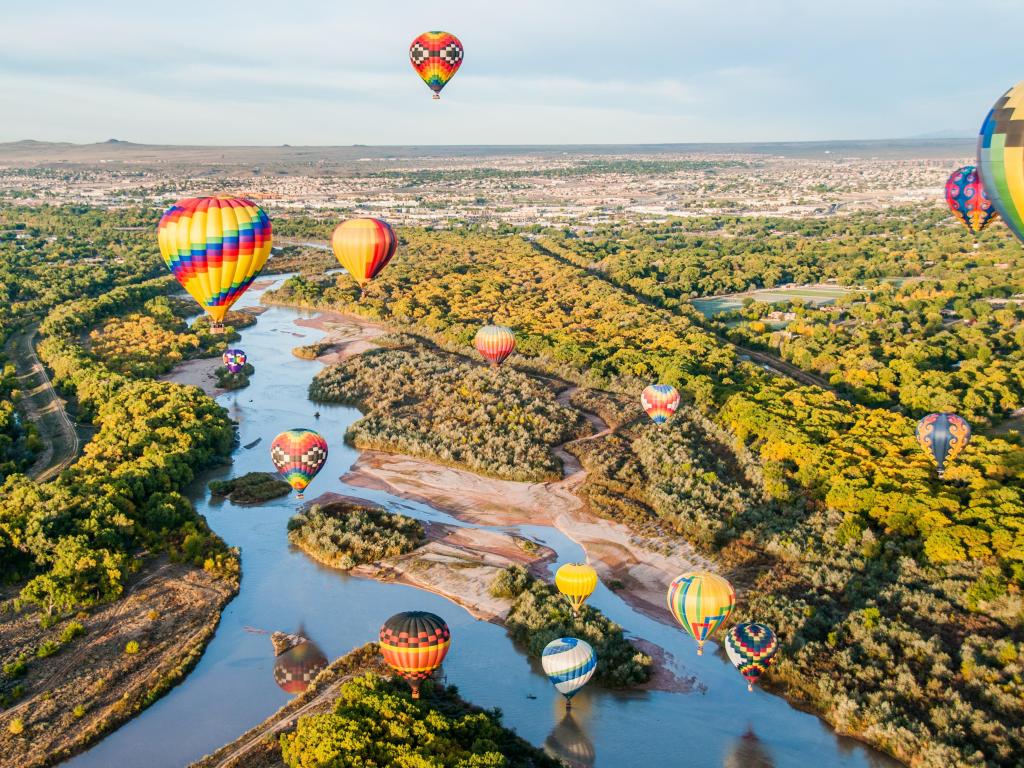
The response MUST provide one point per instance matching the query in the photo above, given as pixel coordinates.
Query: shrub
(132, 647)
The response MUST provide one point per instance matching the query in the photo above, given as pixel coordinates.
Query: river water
(233, 688)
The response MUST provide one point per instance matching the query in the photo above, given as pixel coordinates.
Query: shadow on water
(239, 681)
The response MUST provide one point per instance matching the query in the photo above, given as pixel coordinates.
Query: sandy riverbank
(197, 373)
(347, 335)
(643, 567)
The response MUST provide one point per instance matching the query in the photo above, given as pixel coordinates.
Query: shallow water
(233, 688)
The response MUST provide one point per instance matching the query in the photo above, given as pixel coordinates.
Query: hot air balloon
(660, 401)
(1001, 158)
(569, 663)
(436, 57)
(297, 666)
(751, 649)
(966, 198)
(234, 360)
(943, 436)
(215, 247)
(577, 581)
(414, 643)
(298, 455)
(364, 247)
(494, 343)
(701, 602)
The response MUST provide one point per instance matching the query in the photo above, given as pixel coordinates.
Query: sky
(336, 72)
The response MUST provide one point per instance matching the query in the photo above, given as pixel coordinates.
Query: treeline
(375, 722)
(540, 614)
(49, 255)
(344, 535)
(75, 538)
(436, 405)
(855, 519)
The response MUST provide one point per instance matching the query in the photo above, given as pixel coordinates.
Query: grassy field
(817, 295)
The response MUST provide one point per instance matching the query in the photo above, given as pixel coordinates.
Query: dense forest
(49, 255)
(75, 538)
(869, 566)
(434, 404)
(375, 722)
(343, 535)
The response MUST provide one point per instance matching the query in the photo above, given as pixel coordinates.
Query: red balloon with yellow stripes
(414, 643)
(494, 343)
(364, 247)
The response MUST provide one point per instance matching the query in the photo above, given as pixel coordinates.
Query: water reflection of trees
(748, 752)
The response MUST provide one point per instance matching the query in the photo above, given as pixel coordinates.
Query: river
(232, 688)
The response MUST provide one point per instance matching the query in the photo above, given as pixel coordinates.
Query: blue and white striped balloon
(569, 663)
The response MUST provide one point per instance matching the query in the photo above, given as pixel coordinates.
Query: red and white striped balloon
(494, 343)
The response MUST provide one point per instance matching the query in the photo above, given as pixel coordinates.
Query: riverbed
(232, 688)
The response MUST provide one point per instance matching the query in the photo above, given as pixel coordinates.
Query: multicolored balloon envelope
(297, 667)
(660, 401)
(234, 360)
(494, 343)
(966, 198)
(298, 455)
(1001, 158)
(943, 436)
(436, 57)
(751, 648)
(569, 663)
(364, 247)
(215, 247)
(701, 602)
(577, 581)
(414, 644)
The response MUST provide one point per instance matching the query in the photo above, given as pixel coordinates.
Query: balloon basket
(700, 650)
(300, 495)
(216, 327)
(436, 97)
(750, 687)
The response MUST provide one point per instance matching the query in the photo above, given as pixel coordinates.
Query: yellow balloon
(577, 581)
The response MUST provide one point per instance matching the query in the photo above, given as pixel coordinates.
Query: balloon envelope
(215, 247)
(298, 455)
(414, 644)
(660, 401)
(234, 360)
(577, 581)
(436, 57)
(494, 343)
(1001, 158)
(966, 198)
(943, 436)
(364, 247)
(701, 602)
(751, 648)
(297, 667)
(569, 663)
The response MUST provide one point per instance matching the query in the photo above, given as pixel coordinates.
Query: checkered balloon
(436, 57)
(298, 455)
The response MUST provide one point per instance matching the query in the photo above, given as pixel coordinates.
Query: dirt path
(572, 470)
(41, 405)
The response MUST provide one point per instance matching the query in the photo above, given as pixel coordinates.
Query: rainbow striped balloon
(364, 247)
(701, 602)
(660, 401)
(234, 360)
(569, 663)
(215, 247)
(1001, 157)
(966, 198)
(414, 644)
(436, 57)
(751, 649)
(494, 343)
(298, 455)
